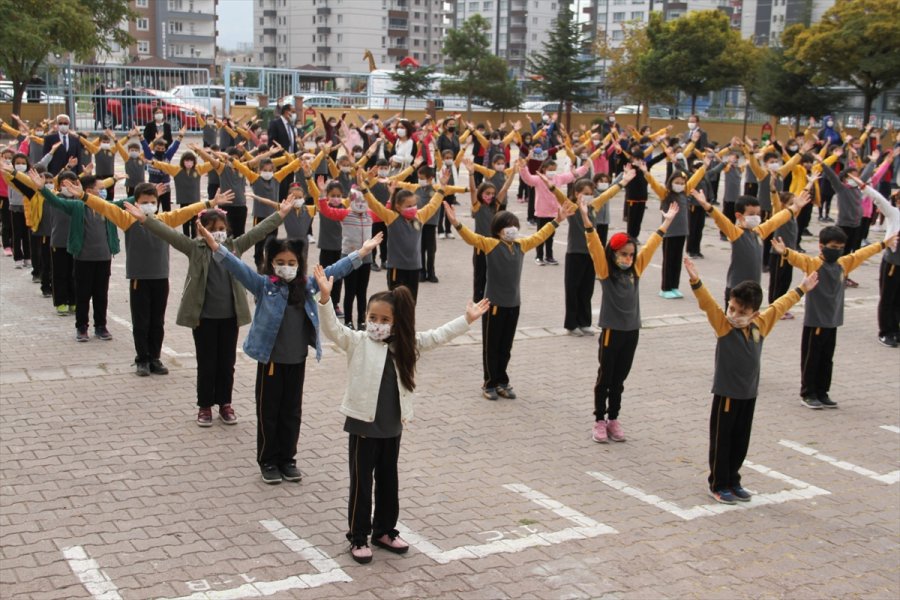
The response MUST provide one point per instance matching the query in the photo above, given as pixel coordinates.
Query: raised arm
(428, 211)
(714, 313)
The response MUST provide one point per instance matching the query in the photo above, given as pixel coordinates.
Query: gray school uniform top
(746, 259)
(59, 227)
(146, 255)
(45, 227)
(232, 179)
(892, 256)
(209, 134)
(291, 342)
(135, 172)
(346, 180)
(267, 189)
(297, 223)
(750, 175)
(225, 139)
(16, 199)
(187, 187)
(484, 215)
(105, 163)
(849, 200)
(679, 227)
(35, 151)
(732, 185)
(788, 233)
(405, 247)
(423, 196)
(96, 241)
(330, 234)
(387, 423)
(575, 242)
(772, 183)
(218, 302)
(825, 302)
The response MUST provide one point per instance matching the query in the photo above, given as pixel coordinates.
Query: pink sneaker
(598, 434)
(7, 251)
(361, 554)
(615, 431)
(395, 544)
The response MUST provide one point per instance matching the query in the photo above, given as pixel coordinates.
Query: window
(637, 16)
(618, 17)
(619, 2)
(143, 24)
(488, 5)
(340, 57)
(416, 42)
(175, 26)
(143, 47)
(618, 35)
(340, 19)
(260, 20)
(533, 37)
(340, 38)
(141, 3)
(473, 6)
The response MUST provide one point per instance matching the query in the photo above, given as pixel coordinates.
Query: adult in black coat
(282, 129)
(71, 146)
(152, 128)
(694, 127)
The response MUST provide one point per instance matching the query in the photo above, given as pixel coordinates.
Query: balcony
(270, 13)
(395, 33)
(323, 10)
(395, 52)
(398, 14)
(269, 31)
(323, 49)
(269, 49)
(323, 30)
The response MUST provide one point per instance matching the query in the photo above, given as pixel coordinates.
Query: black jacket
(150, 131)
(59, 160)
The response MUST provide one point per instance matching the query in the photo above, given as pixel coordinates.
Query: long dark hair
(403, 332)
(297, 286)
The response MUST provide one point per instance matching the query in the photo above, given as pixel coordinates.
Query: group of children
(391, 187)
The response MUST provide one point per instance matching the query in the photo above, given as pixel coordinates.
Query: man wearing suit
(694, 127)
(283, 131)
(71, 146)
(158, 124)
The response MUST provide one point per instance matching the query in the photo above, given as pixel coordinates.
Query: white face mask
(793, 148)
(299, 203)
(850, 182)
(679, 156)
(346, 169)
(21, 168)
(286, 272)
(102, 194)
(587, 198)
(220, 236)
(602, 186)
(550, 173)
(774, 166)
(134, 154)
(383, 172)
(829, 123)
(266, 175)
(359, 206)
(677, 187)
(692, 126)
(612, 119)
(740, 322)
(63, 129)
(401, 132)
(448, 162)
(158, 118)
(105, 146)
(509, 234)
(311, 146)
(495, 142)
(149, 208)
(378, 331)
(751, 221)
(545, 118)
(66, 192)
(357, 155)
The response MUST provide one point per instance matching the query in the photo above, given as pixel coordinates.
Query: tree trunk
(870, 97)
(18, 89)
(693, 104)
(469, 107)
(403, 111)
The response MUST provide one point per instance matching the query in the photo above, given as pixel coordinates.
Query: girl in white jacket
(378, 401)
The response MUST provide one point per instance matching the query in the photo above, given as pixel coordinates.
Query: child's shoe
(490, 393)
(723, 496)
(142, 369)
(270, 474)
(71, 309)
(19, 264)
(102, 333)
(506, 391)
(62, 310)
(361, 554)
(7, 251)
(290, 472)
(827, 402)
(587, 330)
(740, 494)
(395, 544)
(226, 413)
(204, 417)
(81, 335)
(677, 294)
(157, 368)
(26, 263)
(811, 402)
(598, 433)
(615, 431)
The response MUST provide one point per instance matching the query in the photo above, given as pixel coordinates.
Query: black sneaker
(422, 276)
(375, 267)
(81, 335)
(290, 472)
(827, 402)
(506, 391)
(552, 262)
(888, 340)
(157, 368)
(807, 232)
(811, 402)
(142, 369)
(102, 333)
(271, 474)
(740, 494)
(433, 279)
(490, 393)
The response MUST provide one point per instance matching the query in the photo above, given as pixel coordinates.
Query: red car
(144, 102)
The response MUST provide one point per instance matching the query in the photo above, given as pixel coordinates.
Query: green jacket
(199, 255)
(75, 209)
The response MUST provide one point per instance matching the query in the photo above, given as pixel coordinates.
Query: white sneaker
(19, 264)
(575, 332)
(450, 235)
(587, 330)
(310, 239)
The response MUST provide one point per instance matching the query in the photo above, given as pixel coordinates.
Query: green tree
(697, 53)
(465, 52)
(32, 29)
(857, 42)
(559, 68)
(500, 91)
(412, 83)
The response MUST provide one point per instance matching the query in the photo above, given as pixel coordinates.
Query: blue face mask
(102, 194)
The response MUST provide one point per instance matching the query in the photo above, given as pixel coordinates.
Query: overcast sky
(235, 23)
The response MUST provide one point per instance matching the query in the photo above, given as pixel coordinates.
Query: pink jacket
(545, 204)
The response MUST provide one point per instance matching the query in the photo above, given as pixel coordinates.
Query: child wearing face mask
(740, 333)
(285, 325)
(330, 230)
(499, 175)
(213, 304)
(505, 255)
(404, 223)
(104, 152)
(135, 165)
(233, 176)
(21, 238)
(484, 207)
(356, 227)
(429, 228)
(448, 169)
(378, 402)
(160, 151)
(186, 179)
(266, 185)
(378, 183)
(825, 308)
(619, 268)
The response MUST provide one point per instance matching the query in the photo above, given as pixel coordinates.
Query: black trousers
(780, 275)
(279, 409)
(326, 259)
(548, 243)
(5, 222)
(616, 356)
(803, 220)
(91, 286)
(696, 221)
(40, 261)
(864, 224)
(498, 330)
(529, 197)
(284, 188)
(368, 457)
(443, 224)
(728, 211)
(673, 250)
(429, 248)
(382, 247)
(407, 277)
(21, 237)
(636, 209)
(816, 361)
(165, 202)
(356, 291)
(479, 268)
(578, 282)
(827, 193)
(853, 238)
(148, 298)
(889, 300)
(237, 219)
(213, 188)
(215, 345)
(189, 228)
(260, 247)
(602, 230)
(62, 272)
(730, 422)
(751, 189)
(767, 242)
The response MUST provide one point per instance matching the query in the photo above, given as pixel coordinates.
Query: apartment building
(335, 34)
(765, 20)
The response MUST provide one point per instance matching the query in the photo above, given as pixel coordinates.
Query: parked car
(146, 101)
(210, 96)
(545, 107)
(6, 95)
(655, 112)
(314, 101)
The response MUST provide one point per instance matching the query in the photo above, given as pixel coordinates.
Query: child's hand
(371, 243)
(474, 311)
(325, 284)
(691, 268)
(778, 245)
(222, 198)
(627, 176)
(810, 281)
(670, 214)
(451, 214)
(36, 177)
(700, 197)
(565, 211)
(891, 242)
(74, 187)
(207, 236)
(285, 208)
(585, 217)
(801, 201)
(135, 212)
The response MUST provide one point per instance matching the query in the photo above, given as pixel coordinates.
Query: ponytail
(403, 332)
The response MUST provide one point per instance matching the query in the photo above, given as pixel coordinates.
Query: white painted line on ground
(586, 528)
(888, 478)
(892, 428)
(801, 491)
(166, 350)
(328, 571)
(95, 581)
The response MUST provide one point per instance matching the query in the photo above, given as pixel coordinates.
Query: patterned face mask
(378, 331)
